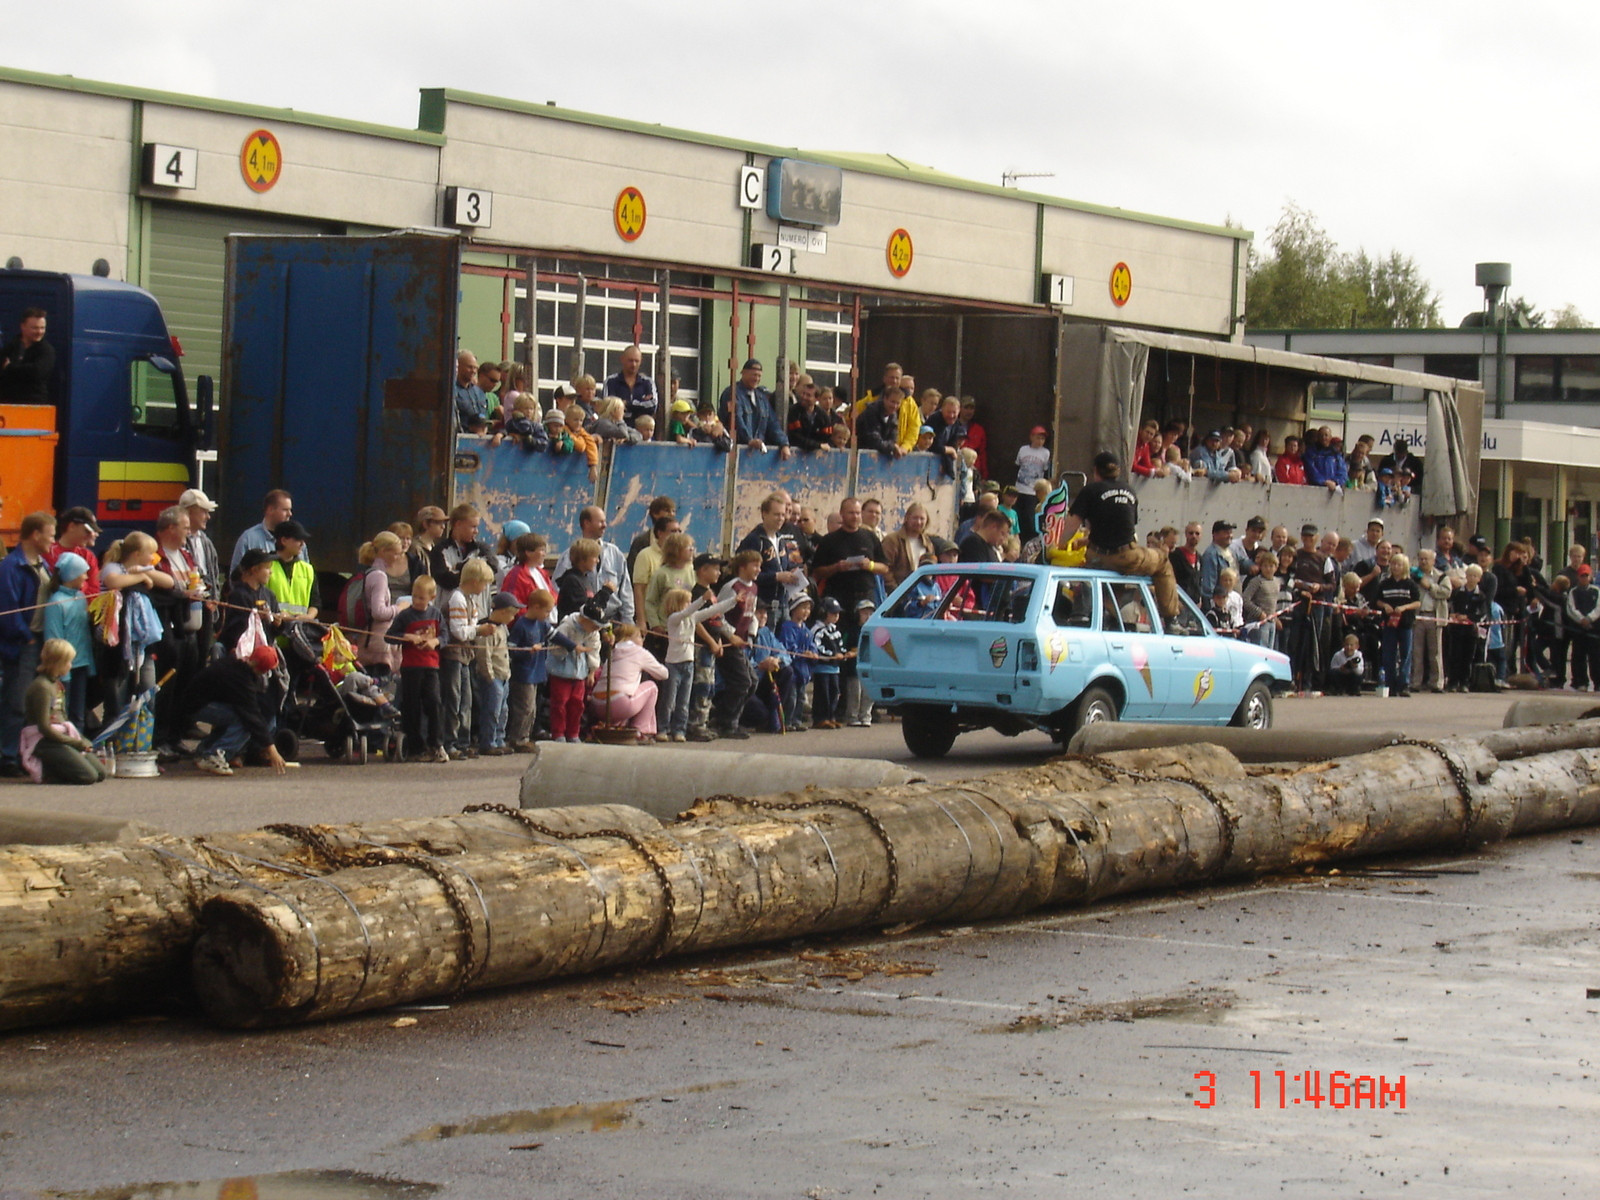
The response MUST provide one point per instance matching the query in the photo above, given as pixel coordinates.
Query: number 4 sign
(171, 166)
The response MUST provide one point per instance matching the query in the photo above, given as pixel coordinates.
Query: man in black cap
(1215, 460)
(1111, 511)
(76, 530)
(746, 412)
(1312, 588)
(292, 579)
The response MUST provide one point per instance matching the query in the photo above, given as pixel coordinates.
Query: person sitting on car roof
(1111, 511)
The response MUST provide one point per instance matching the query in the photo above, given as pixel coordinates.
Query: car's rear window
(966, 596)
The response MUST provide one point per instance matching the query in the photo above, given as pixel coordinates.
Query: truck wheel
(928, 734)
(1094, 706)
(1255, 710)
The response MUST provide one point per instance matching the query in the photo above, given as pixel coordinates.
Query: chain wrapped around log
(289, 928)
(734, 872)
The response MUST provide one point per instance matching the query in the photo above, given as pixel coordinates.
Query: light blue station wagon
(1016, 646)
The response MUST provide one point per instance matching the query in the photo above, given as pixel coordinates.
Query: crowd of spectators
(477, 649)
(893, 419)
(1245, 455)
(1362, 613)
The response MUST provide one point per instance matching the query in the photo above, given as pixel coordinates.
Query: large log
(737, 871)
(101, 928)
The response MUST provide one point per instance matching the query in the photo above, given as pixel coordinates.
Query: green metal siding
(184, 269)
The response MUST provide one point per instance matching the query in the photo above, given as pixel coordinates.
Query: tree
(1521, 314)
(1307, 282)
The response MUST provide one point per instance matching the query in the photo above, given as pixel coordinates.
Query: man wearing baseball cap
(207, 560)
(1215, 460)
(1109, 508)
(76, 531)
(227, 695)
(1217, 556)
(745, 410)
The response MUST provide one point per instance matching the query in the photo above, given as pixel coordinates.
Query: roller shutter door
(186, 257)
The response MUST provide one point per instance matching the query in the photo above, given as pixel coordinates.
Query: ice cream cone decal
(998, 650)
(1055, 650)
(1202, 685)
(1142, 661)
(881, 639)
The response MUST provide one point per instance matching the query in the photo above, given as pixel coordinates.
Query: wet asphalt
(1437, 1019)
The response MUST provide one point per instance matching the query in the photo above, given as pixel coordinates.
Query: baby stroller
(332, 701)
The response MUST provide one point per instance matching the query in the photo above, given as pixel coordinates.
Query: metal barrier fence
(718, 495)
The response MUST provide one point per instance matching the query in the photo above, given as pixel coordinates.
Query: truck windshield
(966, 596)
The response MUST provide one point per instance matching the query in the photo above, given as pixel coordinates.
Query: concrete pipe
(664, 784)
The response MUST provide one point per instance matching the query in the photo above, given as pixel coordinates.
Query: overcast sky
(1453, 132)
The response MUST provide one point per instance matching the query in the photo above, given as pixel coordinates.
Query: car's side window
(1016, 608)
(1110, 613)
(1074, 606)
(1134, 607)
(1188, 622)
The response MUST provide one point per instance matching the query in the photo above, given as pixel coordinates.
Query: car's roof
(1027, 569)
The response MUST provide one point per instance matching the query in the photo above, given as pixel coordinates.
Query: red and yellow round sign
(899, 253)
(1121, 284)
(261, 160)
(627, 214)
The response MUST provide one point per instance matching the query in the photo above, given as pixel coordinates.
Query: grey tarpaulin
(1122, 366)
(1448, 486)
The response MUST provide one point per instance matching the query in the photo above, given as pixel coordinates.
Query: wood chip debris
(628, 1003)
(855, 965)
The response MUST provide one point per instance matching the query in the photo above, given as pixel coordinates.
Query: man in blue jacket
(1325, 466)
(746, 412)
(21, 574)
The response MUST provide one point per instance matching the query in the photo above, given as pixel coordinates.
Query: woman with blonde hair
(907, 548)
(53, 751)
(379, 558)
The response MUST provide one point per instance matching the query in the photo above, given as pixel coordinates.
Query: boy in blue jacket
(796, 638)
(529, 670)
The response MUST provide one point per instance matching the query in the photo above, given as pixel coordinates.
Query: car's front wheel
(929, 733)
(1095, 706)
(1255, 710)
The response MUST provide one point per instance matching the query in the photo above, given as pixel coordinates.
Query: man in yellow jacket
(910, 415)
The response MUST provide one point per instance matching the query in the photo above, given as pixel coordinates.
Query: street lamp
(1494, 278)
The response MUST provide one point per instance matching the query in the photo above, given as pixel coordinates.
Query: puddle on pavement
(285, 1185)
(602, 1117)
(1192, 1008)
(559, 1118)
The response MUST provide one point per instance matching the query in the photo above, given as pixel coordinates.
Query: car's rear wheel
(1095, 706)
(929, 733)
(1255, 710)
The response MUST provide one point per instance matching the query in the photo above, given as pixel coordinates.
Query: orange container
(28, 440)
